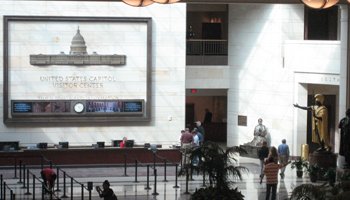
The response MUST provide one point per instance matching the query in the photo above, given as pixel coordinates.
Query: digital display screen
(22, 107)
(133, 106)
(65, 107)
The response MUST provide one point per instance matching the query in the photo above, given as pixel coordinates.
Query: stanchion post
(4, 191)
(20, 172)
(82, 191)
(33, 187)
(50, 163)
(15, 168)
(24, 176)
(58, 180)
(176, 186)
(147, 187)
(28, 193)
(155, 183)
(165, 171)
(187, 177)
(42, 162)
(136, 171)
(71, 188)
(64, 186)
(1, 182)
(125, 165)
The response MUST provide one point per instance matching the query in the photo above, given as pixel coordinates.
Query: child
(271, 172)
(107, 193)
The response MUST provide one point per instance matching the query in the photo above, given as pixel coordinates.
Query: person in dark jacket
(262, 154)
(107, 193)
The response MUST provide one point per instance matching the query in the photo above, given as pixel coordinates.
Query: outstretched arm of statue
(302, 107)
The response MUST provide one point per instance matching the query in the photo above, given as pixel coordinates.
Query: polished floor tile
(129, 187)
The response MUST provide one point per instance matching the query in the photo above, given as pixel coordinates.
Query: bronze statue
(344, 126)
(319, 112)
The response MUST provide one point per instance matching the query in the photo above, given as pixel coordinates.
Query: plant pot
(313, 177)
(299, 174)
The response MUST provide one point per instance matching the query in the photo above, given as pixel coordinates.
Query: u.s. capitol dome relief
(77, 56)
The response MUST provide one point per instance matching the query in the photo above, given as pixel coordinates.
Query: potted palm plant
(219, 165)
(300, 165)
(313, 171)
(330, 175)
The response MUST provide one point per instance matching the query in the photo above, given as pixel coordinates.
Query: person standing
(319, 112)
(122, 144)
(262, 154)
(186, 140)
(283, 155)
(344, 149)
(207, 117)
(49, 176)
(107, 193)
(200, 128)
(271, 171)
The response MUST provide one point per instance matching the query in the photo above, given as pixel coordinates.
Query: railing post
(24, 176)
(165, 171)
(187, 177)
(82, 191)
(1, 182)
(28, 193)
(155, 183)
(71, 188)
(42, 190)
(64, 185)
(176, 186)
(11, 194)
(58, 180)
(125, 165)
(147, 187)
(15, 168)
(136, 171)
(4, 191)
(34, 187)
(20, 172)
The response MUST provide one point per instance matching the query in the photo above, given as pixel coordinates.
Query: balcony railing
(206, 52)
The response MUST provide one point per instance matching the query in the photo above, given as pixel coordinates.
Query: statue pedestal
(323, 159)
(252, 151)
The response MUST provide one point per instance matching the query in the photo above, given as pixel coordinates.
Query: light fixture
(320, 4)
(138, 3)
(166, 1)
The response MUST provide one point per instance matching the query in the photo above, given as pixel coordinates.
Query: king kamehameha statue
(323, 156)
(319, 113)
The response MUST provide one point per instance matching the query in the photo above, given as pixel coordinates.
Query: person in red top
(49, 176)
(122, 144)
(271, 173)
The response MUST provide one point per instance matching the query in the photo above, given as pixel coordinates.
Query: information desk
(88, 156)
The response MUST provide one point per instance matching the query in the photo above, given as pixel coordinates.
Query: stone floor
(126, 188)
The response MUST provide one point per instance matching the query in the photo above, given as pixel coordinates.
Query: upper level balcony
(206, 52)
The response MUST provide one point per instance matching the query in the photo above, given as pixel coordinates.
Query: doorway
(215, 100)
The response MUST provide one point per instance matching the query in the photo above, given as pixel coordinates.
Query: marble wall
(168, 67)
(264, 71)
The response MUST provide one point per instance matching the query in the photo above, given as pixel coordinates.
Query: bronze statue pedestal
(252, 151)
(324, 159)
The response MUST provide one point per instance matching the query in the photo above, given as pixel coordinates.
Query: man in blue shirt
(283, 155)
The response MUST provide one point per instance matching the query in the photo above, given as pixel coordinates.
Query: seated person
(122, 144)
(49, 176)
(107, 193)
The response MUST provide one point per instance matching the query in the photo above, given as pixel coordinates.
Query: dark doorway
(189, 115)
(329, 102)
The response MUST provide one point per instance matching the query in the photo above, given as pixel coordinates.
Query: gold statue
(320, 133)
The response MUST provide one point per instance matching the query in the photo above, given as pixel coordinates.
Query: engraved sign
(242, 120)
